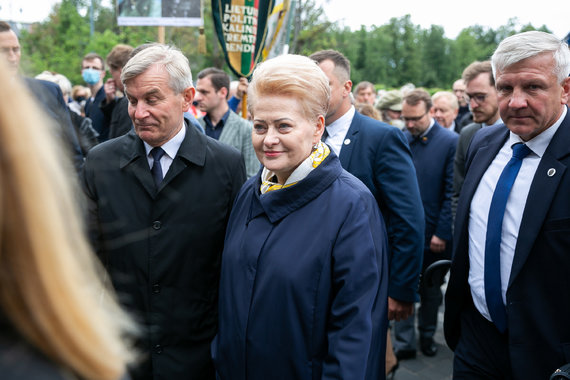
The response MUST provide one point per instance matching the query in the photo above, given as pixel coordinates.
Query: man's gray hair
(525, 45)
(169, 57)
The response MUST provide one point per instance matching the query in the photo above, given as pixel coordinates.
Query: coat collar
(424, 140)
(280, 203)
(133, 158)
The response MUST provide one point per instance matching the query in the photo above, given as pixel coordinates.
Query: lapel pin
(347, 141)
(551, 172)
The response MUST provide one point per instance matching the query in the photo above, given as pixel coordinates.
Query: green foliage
(389, 55)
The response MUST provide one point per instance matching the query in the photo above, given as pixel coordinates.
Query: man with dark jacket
(115, 108)
(159, 200)
(378, 154)
(48, 95)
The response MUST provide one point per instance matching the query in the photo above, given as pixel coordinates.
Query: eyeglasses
(478, 98)
(413, 119)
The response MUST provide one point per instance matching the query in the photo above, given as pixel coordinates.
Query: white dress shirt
(338, 129)
(170, 148)
(481, 203)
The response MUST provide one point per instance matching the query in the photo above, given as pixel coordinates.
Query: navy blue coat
(378, 155)
(433, 157)
(538, 293)
(303, 291)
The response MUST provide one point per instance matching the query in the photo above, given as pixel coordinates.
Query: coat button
(156, 225)
(156, 288)
(158, 349)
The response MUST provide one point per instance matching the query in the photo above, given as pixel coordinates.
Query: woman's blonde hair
(51, 289)
(295, 76)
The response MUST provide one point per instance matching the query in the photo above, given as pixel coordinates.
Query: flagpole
(161, 34)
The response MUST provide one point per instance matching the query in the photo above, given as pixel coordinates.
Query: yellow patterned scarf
(268, 178)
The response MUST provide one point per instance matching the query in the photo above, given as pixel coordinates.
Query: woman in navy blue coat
(303, 290)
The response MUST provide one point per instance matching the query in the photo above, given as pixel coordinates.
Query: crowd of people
(151, 229)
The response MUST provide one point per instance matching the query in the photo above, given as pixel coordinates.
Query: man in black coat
(159, 200)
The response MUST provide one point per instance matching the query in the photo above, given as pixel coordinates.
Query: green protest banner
(241, 26)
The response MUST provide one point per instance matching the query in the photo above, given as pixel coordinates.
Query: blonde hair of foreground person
(50, 282)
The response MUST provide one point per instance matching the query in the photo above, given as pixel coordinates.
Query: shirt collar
(171, 146)
(222, 121)
(538, 144)
(431, 124)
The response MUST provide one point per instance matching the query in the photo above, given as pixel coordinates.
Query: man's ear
(188, 95)
(347, 87)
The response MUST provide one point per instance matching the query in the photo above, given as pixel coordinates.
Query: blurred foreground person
(304, 284)
(57, 320)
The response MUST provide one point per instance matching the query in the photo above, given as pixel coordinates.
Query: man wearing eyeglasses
(433, 151)
(93, 73)
(482, 98)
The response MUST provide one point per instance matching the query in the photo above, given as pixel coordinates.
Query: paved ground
(438, 367)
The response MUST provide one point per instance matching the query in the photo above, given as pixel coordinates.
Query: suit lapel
(191, 151)
(350, 141)
(477, 166)
(542, 191)
(134, 160)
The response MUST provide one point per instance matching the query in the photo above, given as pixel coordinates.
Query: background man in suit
(482, 96)
(379, 156)
(220, 122)
(506, 311)
(159, 200)
(48, 95)
(433, 150)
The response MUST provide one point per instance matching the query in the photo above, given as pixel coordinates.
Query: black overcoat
(162, 248)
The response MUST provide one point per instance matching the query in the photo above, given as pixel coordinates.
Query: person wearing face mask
(93, 73)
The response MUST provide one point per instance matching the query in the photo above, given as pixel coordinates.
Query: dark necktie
(156, 170)
(493, 293)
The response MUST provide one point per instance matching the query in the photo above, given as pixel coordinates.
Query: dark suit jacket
(163, 248)
(117, 116)
(465, 137)
(50, 99)
(538, 294)
(433, 159)
(93, 111)
(378, 155)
